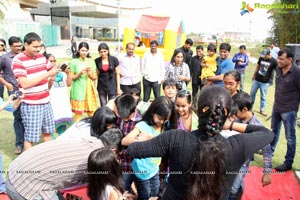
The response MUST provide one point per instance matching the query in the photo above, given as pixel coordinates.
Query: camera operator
(178, 70)
(9, 80)
(13, 102)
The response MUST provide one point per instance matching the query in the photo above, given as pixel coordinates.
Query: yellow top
(211, 69)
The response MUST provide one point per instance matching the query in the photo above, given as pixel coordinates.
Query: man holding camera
(8, 79)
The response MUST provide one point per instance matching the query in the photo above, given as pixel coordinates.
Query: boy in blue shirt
(225, 65)
(241, 61)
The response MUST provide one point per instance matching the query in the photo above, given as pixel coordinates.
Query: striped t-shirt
(51, 166)
(30, 68)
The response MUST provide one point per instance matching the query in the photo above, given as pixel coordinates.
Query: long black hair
(235, 74)
(81, 45)
(185, 94)
(101, 118)
(103, 169)
(175, 53)
(111, 70)
(162, 106)
(207, 181)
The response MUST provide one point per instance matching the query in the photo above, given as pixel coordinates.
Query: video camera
(17, 94)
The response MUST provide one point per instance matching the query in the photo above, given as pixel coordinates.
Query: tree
(286, 24)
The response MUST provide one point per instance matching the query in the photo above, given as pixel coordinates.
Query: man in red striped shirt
(32, 71)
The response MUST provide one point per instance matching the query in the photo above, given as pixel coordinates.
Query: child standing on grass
(209, 65)
(60, 100)
(152, 124)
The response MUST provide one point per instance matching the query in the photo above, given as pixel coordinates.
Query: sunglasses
(52, 61)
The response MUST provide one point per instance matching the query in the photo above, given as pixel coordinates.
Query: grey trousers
(14, 195)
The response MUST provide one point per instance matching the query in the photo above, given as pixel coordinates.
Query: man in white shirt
(274, 50)
(153, 70)
(274, 53)
(130, 71)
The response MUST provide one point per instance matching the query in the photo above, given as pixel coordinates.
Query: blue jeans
(147, 85)
(289, 123)
(239, 179)
(128, 179)
(147, 188)
(1, 90)
(19, 128)
(2, 183)
(263, 93)
(242, 73)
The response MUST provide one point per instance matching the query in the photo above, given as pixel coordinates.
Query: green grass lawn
(7, 137)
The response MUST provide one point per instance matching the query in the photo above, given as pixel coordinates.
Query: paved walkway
(60, 50)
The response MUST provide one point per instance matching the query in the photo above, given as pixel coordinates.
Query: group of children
(158, 118)
(172, 111)
(136, 125)
(150, 119)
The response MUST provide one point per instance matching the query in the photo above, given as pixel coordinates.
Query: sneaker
(263, 113)
(18, 150)
(284, 167)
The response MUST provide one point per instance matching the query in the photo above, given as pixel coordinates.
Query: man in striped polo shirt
(32, 71)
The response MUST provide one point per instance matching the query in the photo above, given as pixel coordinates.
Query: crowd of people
(180, 145)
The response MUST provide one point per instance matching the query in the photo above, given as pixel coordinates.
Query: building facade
(65, 18)
(89, 18)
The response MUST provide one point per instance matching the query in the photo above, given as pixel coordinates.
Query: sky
(217, 16)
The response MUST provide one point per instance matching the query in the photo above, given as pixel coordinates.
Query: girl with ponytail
(208, 169)
(203, 164)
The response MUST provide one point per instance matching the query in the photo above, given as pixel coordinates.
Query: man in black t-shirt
(195, 70)
(286, 105)
(187, 51)
(261, 77)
